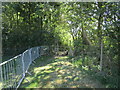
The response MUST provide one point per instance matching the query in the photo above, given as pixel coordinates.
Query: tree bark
(101, 57)
(0, 34)
(85, 38)
(100, 37)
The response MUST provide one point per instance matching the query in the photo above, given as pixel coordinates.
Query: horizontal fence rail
(13, 71)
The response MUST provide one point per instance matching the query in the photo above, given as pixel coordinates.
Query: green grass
(57, 72)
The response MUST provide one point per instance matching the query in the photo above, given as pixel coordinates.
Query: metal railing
(13, 71)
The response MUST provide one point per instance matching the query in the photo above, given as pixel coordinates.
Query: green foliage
(63, 34)
(79, 27)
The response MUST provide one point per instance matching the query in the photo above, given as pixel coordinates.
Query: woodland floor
(58, 72)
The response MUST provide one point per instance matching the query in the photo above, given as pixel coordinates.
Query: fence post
(1, 76)
(37, 52)
(30, 55)
(23, 64)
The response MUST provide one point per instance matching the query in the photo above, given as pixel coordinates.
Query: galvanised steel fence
(13, 71)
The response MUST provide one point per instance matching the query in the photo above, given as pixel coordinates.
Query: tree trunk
(118, 45)
(71, 52)
(0, 34)
(100, 37)
(57, 47)
(101, 56)
(84, 37)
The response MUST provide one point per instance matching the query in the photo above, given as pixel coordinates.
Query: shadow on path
(58, 72)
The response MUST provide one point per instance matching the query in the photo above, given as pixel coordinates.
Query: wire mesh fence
(13, 71)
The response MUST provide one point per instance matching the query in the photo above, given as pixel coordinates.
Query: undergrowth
(110, 81)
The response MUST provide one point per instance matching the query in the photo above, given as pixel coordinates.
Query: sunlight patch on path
(60, 73)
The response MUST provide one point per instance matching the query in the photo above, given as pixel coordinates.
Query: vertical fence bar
(13, 72)
(37, 52)
(23, 64)
(7, 79)
(23, 74)
(1, 76)
(30, 56)
(10, 68)
(4, 76)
